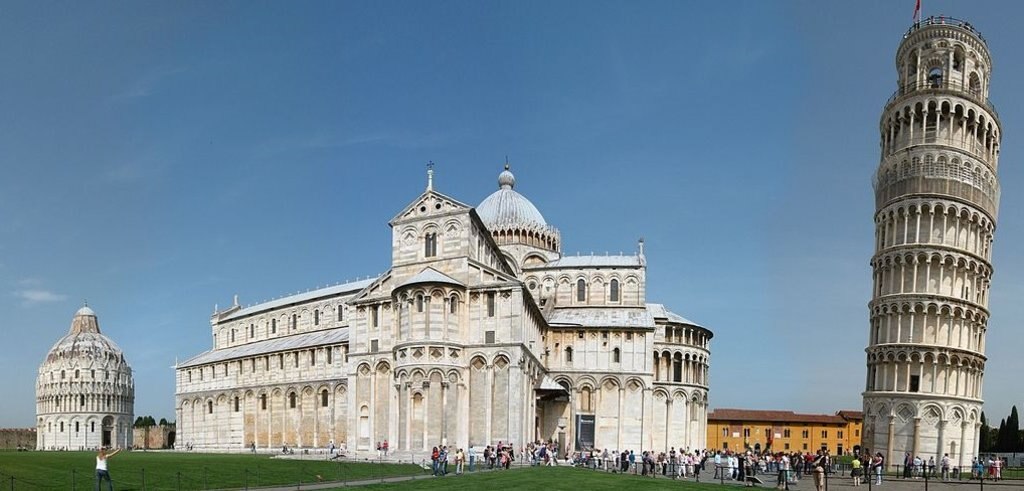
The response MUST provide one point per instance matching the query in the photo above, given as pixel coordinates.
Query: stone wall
(11, 438)
(153, 437)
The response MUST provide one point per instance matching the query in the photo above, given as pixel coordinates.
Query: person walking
(101, 468)
(879, 466)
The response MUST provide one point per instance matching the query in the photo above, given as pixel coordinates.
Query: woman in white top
(101, 468)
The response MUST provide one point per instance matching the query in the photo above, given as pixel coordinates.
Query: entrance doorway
(108, 430)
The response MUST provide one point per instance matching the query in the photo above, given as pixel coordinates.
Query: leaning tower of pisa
(936, 200)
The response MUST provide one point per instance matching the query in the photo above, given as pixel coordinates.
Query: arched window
(935, 77)
(568, 354)
(330, 355)
(76, 427)
(263, 402)
(273, 326)
(92, 427)
(616, 355)
(585, 400)
(62, 427)
(291, 400)
(62, 374)
(232, 335)
(295, 321)
(613, 290)
(81, 400)
(373, 316)
(316, 317)
(341, 308)
(581, 290)
(323, 398)
(76, 374)
(252, 330)
(419, 303)
(453, 304)
(236, 404)
(430, 245)
(209, 407)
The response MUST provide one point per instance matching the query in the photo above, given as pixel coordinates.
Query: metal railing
(942, 20)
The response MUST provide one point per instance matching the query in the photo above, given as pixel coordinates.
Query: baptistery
(85, 394)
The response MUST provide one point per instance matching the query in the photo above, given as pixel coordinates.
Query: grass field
(173, 471)
(548, 479)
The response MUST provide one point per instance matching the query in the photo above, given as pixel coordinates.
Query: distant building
(85, 393)
(936, 204)
(784, 431)
(480, 332)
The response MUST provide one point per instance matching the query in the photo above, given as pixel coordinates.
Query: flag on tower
(917, 11)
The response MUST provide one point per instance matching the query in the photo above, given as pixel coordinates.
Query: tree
(1001, 437)
(1013, 431)
(163, 421)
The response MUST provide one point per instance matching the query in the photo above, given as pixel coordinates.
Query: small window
(280, 361)
(453, 305)
(252, 330)
(236, 404)
(488, 337)
(76, 374)
(341, 310)
(374, 346)
(430, 245)
(805, 434)
(291, 400)
(568, 354)
(839, 434)
(629, 336)
(935, 77)
(616, 355)
(81, 400)
(323, 398)
(490, 304)
(312, 357)
(419, 303)
(805, 446)
(92, 427)
(824, 433)
(786, 445)
(373, 316)
(785, 433)
(190, 375)
(579, 334)
(273, 326)
(63, 375)
(62, 427)
(296, 356)
(263, 402)
(581, 290)
(232, 335)
(209, 407)
(295, 321)
(915, 383)
(330, 355)
(613, 290)
(316, 317)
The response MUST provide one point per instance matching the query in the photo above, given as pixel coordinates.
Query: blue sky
(160, 157)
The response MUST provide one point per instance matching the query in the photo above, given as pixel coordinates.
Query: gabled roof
(431, 275)
(600, 317)
(429, 199)
(351, 287)
(660, 312)
(772, 416)
(285, 343)
(591, 261)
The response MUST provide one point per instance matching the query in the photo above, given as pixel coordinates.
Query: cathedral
(480, 332)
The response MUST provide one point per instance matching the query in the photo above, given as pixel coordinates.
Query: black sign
(584, 431)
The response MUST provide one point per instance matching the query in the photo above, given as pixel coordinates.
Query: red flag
(917, 11)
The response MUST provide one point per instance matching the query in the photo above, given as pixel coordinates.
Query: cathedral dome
(507, 207)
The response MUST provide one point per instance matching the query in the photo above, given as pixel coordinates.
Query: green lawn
(548, 479)
(164, 471)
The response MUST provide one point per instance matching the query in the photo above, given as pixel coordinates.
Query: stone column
(444, 412)
(963, 440)
(888, 445)
(917, 436)
(622, 401)
(941, 449)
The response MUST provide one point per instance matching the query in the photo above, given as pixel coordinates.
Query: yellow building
(738, 429)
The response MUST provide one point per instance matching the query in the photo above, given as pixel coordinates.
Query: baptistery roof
(507, 207)
(85, 342)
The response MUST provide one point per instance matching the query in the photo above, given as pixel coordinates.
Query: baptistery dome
(85, 393)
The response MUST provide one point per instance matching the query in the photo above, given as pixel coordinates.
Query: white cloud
(39, 296)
